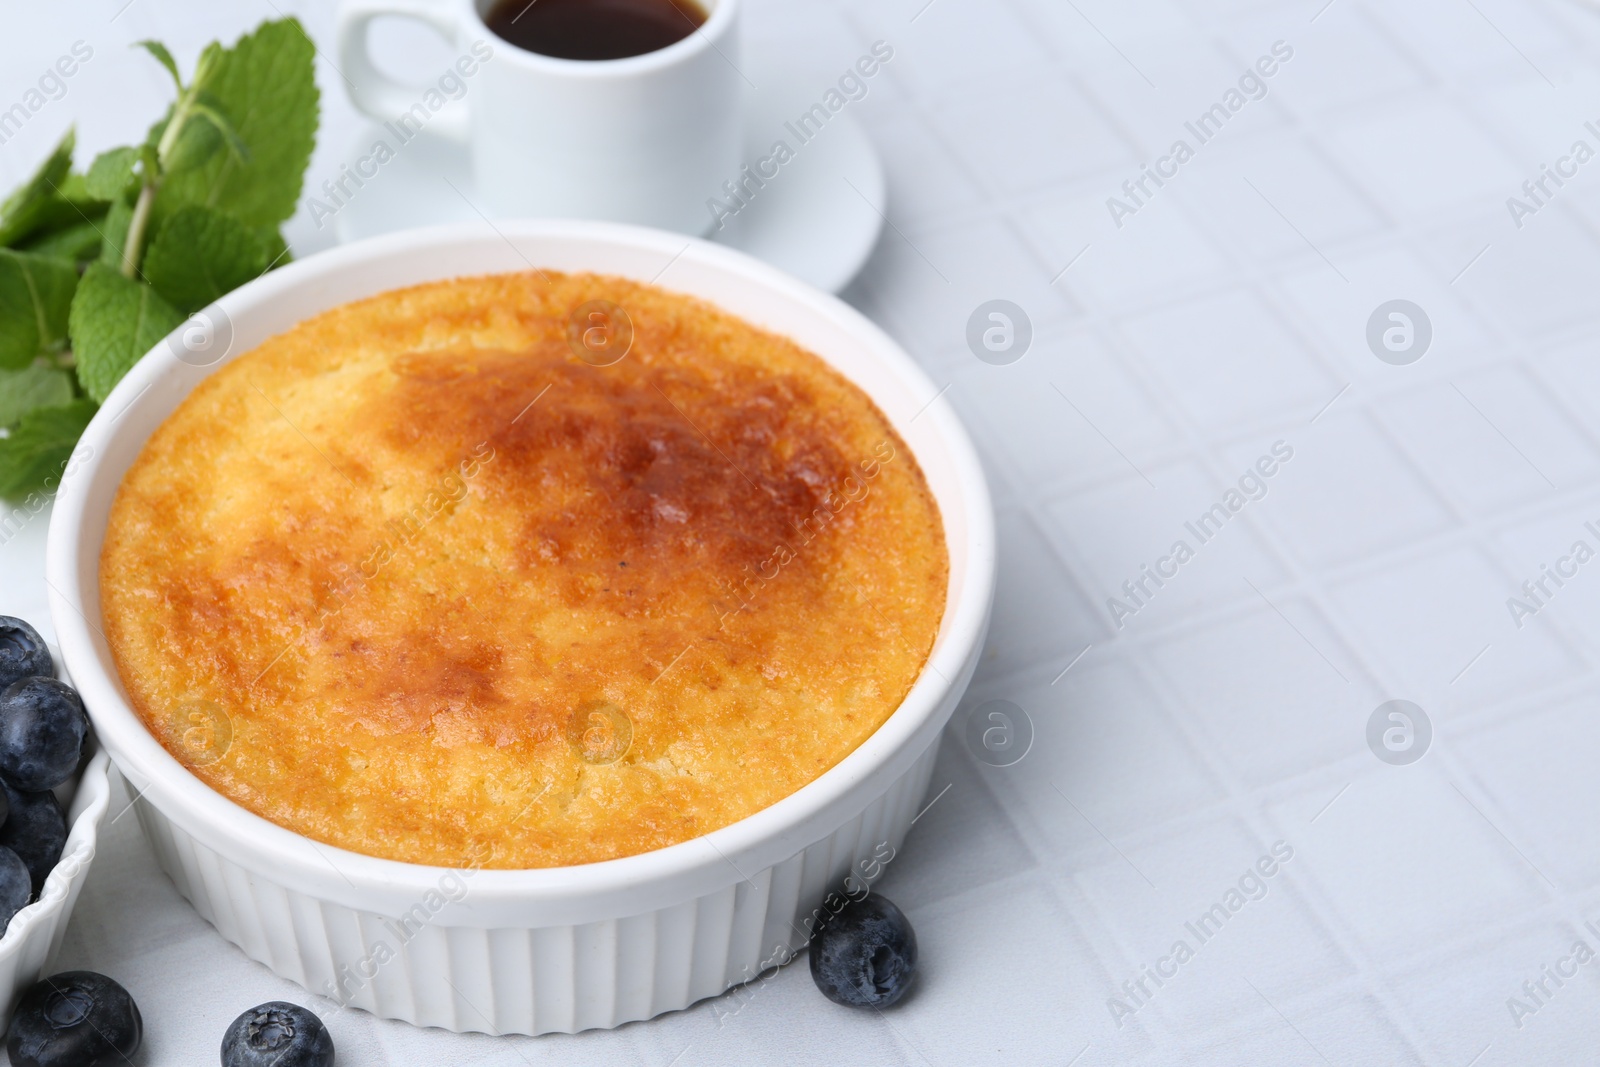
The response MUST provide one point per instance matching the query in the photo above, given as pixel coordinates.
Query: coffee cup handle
(374, 93)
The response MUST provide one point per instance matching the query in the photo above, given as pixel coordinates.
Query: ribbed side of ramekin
(538, 979)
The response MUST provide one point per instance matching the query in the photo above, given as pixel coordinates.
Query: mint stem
(136, 227)
(133, 247)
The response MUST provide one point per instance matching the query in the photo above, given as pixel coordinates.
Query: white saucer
(818, 218)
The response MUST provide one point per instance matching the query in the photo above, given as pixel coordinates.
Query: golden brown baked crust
(409, 578)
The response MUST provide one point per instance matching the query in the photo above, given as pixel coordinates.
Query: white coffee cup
(644, 139)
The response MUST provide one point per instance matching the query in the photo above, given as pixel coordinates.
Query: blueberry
(74, 1019)
(42, 724)
(866, 955)
(23, 652)
(277, 1034)
(36, 830)
(16, 886)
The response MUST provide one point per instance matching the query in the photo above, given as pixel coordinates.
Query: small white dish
(34, 934)
(818, 218)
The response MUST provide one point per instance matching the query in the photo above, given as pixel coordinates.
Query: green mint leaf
(35, 295)
(207, 107)
(39, 446)
(75, 190)
(149, 159)
(200, 254)
(58, 214)
(60, 219)
(79, 243)
(115, 321)
(206, 65)
(266, 85)
(32, 387)
(159, 50)
(24, 210)
(277, 248)
(198, 144)
(110, 176)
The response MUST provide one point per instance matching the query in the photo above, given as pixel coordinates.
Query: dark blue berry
(42, 725)
(36, 830)
(277, 1034)
(74, 1019)
(23, 652)
(16, 886)
(866, 955)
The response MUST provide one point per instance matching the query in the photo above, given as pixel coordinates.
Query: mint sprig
(264, 85)
(96, 267)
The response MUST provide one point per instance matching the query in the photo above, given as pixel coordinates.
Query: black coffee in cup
(594, 29)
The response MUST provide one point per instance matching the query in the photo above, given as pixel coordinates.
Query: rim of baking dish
(539, 896)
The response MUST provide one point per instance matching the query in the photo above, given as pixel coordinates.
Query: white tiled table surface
(1230, 712)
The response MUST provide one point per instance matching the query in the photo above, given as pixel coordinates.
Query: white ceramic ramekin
(34, 934)
(560, 949)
